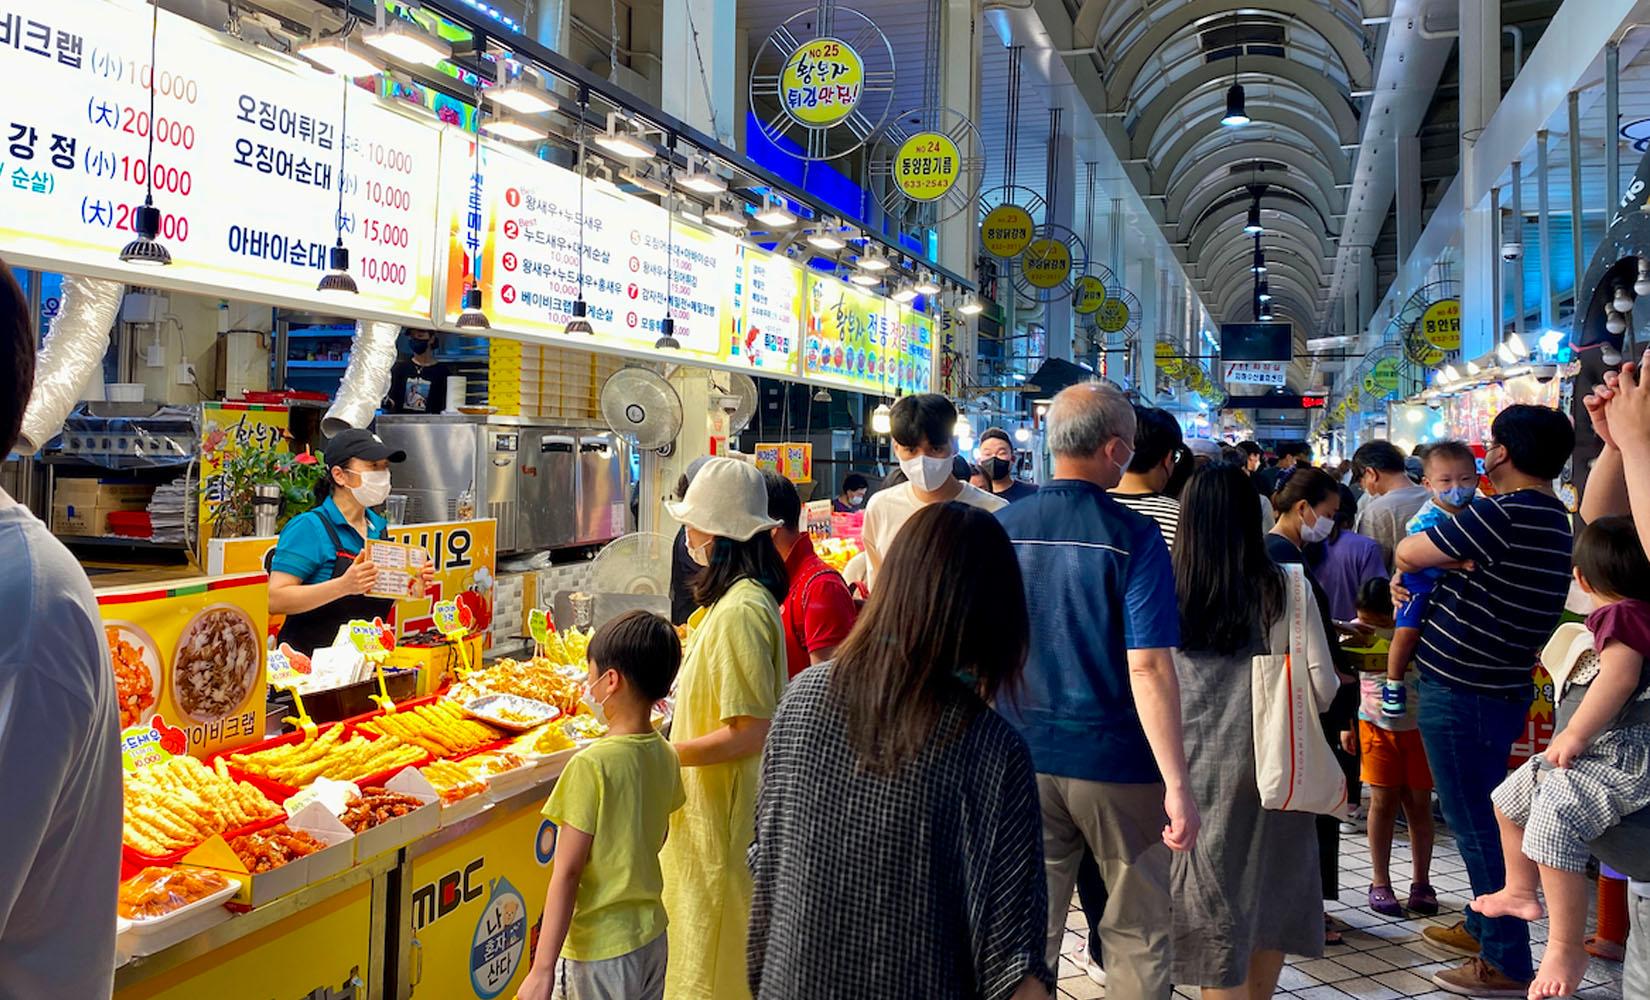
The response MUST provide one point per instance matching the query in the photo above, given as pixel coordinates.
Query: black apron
(314, 629)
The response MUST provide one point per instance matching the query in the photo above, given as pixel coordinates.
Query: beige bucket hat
(727, 498)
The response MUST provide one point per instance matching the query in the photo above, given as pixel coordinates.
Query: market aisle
(1383, 958)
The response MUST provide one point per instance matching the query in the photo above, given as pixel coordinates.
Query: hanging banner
(926, 166)
(763, 327)
(228, 430)
(822, 82)
(245, 165)
(1089, 295)
(1006, 231)
(863, 342)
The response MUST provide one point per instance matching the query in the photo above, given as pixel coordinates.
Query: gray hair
(1084, 417)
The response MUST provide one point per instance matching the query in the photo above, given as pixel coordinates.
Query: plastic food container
(511, 712)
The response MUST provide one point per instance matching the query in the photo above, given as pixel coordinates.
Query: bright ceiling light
(971, 306)
(644, 182)
(1264, 293)
(1235, 113)
(1022, 434)
(522, 98)
(621, 141)
(408, 42)
(1252, 226)
(1552, 340)
(1472, 368)
(1449, 373)
(513, 129)
(864, 279)
(873, 260)
(721, 214)
(700, 178)
(335, 54)
(882, 419)
(904, 293)
(1259, 264)
(926, 285)
(774, 214)
(827, 237)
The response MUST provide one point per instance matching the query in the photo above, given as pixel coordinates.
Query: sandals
(1385, 902)
(1422, 899)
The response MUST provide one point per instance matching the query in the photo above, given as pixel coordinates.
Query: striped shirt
(1165, 510)
(1484, 629)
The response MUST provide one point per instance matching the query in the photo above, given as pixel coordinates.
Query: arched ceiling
(1166, 65)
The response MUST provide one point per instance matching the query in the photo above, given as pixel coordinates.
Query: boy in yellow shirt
(602, 914)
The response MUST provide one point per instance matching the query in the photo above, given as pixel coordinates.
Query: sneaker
(1478, 978)
(1356, 822)
(1090, 967)
(1453, 939)
(1393, 697)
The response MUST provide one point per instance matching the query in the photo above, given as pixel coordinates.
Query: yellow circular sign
(822, 82)
(926, 166)
(1006, 230)
(1441, 324)
(1384, 376)
(1046, 262)
(1113, 316)
(1162, 351)
(1089, 295)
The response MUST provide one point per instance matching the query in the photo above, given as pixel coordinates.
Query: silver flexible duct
(366, 380)
(74, 349)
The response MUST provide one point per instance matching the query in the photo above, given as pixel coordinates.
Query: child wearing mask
(1592, 774)
(603, 917)
(1392, 763)
(1450, 471)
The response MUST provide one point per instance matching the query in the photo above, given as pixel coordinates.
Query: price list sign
(864, 342)
(522, 223)
(764, 325)
(245, 168)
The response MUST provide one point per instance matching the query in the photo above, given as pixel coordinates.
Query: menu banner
(732, 305)
(864, 342)
(245, 168)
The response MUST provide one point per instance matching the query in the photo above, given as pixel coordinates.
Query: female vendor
(319, 576)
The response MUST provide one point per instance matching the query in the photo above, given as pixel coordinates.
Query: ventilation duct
(74, 349)
(366, 380)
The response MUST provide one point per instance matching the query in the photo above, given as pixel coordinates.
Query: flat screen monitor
(1256, 342)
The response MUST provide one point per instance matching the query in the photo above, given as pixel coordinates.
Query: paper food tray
(146, 937)
(402, 830)
(488, 708)
(262, 887)
(463, 809)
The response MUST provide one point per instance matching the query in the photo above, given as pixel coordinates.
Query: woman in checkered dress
(1593, 774)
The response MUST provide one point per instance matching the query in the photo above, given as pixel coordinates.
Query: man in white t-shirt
(922, 429)
(59, 741)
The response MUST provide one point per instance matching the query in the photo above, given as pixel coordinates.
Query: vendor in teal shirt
(319, 577)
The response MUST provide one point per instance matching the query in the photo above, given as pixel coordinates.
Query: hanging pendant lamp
(338, 279)
(471, 316)
(147, 248)
(580, 323)
(1235, 112)
(667, 327)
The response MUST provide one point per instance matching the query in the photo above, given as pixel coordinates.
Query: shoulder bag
(1291, 683)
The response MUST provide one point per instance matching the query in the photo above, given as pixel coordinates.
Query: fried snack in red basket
(155, 892)
(267, 850)
(375, 806)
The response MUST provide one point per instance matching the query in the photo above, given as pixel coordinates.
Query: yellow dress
(734, 665)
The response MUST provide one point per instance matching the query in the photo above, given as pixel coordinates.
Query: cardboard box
(93, 492)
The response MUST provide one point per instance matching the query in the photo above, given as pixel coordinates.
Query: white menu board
(245, 164)
(523, 231)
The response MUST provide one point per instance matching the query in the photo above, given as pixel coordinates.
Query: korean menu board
(764, 327)
(865, 342)
(520, 222)
(246, 162)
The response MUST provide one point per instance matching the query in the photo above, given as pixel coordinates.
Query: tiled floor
(1383, 958)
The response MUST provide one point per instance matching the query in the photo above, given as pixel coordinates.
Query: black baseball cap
(360, 443)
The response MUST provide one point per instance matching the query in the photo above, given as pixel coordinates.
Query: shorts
(1411, 612)
(638, 975)
(1392, 758)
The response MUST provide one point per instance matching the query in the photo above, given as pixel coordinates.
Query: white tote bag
(1291, 684)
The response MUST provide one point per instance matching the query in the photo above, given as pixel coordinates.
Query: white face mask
(374, 488)
(596, 708)
(701, 553)
(1317, 530)
(928, 473)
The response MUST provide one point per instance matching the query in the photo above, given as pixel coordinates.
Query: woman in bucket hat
(732, 675)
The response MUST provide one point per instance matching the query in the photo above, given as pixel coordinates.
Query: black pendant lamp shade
(580, 323)
(667, 336)
(147, 248)
(1235, 113)
(1252, 226)
(471, 317)
(338, 278)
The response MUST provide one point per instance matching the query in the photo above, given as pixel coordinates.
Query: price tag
(147, 744)
(538, 626)
(445, 614)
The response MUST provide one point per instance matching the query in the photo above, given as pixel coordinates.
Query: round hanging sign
(1046, 263)
(1006, 231)
(926, 166)
(1385, 375)
(1113, 315)
(1441, 324)
(822, 82)
(1089, 295)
